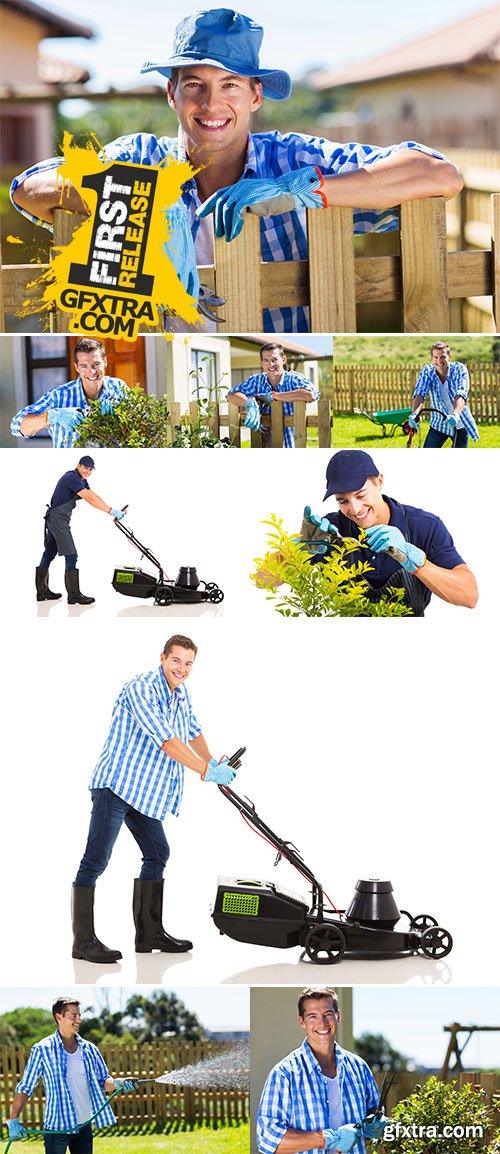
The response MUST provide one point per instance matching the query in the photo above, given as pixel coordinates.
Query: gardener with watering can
(409, 548)
(75, 1081)
(447, 382)
(320, 1096)
(138, 779)
(215, 84)
(73, 486)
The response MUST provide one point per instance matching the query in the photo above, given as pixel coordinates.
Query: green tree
(26, 1025)
(378, 1052)
(106, 1026)
(162, 1015)
(432, 1108)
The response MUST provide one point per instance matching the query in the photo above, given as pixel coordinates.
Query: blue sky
(335, 34)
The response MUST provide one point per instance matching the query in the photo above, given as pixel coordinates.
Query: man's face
(68, 1023)
(214, 108)
(84, 471)
(366, 507)
(441, 359)
(273, 363)
(319, 1020)
(91, 368)
(177, 665)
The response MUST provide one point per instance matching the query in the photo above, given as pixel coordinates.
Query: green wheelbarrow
(388, 419)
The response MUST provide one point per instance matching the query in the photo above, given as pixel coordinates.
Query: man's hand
(219, 772)
(342, 1139)
(16, 1129)
(180, 248)
(252, 416)
(321, 523)
(299, 189)
(452, 423)
(118, 514)
(375, 1128)
(67, 418)
(413, 422)
(126, 1083)
(107, 405)
(389, 539)
(316, 532)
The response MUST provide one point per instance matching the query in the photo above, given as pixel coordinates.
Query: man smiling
(319, 1095)
(274, 383)
(138, 779)
(215, 84)
(447, 382)
(60, 410)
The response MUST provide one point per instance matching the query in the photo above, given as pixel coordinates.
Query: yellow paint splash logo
(115, 273)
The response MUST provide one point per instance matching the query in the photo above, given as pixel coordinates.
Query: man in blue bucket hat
(215, 83)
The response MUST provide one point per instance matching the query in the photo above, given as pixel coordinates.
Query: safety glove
(342, 1139)
(413, 422)
(316, 532)
(298, 189)
(375, 1128)
(126, 1083)
(389, 539)
(16, 1129)
(252, 415)
(219, 772)
(107, 405)
(67, 418)
(180, 248)
(452, 423)
(118, 514)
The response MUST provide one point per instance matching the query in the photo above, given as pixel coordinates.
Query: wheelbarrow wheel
(436, 942)
(325, 944)
(422, 922)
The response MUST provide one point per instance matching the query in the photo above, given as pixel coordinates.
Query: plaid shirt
(259, 384)
(295, 1096)
(132, 763)
(69, 396)
(269, 154)
(443, 394)
(48, 1060)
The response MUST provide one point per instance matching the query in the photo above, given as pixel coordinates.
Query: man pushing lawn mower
(73, 486)
(76, 1084)
(447, 382)
(139, 778)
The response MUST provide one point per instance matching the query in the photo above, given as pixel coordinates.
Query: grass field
(352, 432)
(403, 348)
(228, 1140)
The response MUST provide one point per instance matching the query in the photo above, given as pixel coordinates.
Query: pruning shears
(374, 1115)
(207, 301)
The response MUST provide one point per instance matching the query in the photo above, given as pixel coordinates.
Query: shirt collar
(312, 1062)
(60, 1043)
(171, 697)
(251, 166)
(396, 513)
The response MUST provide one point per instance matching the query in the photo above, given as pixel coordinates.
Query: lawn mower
(261, 913)
(418, 414)
(187, 589)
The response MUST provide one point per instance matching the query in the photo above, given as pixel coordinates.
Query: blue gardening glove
(386, 538)
(342, 1139)
(413, 423)
(126, 1083)
(375, 1129)
(321, 522)
(252, 416)
(67, 418)
(219, 772)
(452, 423)
(107, 405)
(16, 1129)
(180, 248)
(118, 514)
(298, 189)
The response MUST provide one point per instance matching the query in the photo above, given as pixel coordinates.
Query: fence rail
(390, 386)
(423, 276)
(155, 1106)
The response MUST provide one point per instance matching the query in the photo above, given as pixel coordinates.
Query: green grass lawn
(352, 432)
(228, 1140)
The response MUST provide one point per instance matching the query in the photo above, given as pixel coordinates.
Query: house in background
(442, 89)
(32, 81)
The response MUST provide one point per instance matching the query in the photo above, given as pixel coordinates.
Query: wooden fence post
(324, 424)
(277, 425)
(332, 291)
(238, 279)
(300, 425)
(65, 226)
(495, 258)
(424, 271)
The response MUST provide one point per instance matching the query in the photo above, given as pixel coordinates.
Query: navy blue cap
(223, 38)
(348, 470)
(87, 462)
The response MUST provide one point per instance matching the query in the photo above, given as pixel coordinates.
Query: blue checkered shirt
(132, 763)
(269, 155)
(259, 384)
(443, 394)
(48, 1060)
(295, 1096)
(69, 396)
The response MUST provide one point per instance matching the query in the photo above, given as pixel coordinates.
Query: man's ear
(171, 95)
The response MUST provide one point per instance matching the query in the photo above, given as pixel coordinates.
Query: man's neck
(216, 171)
(70, 1044)
(274, 384)
(327, 1060)
(93, 396)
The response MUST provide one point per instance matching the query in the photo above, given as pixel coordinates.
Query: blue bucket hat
(348, 470)
(223, 38)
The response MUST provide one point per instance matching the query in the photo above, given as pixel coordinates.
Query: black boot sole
(103, 959)
(183, 948)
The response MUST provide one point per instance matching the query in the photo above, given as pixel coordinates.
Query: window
(47, 363)
(205, 366)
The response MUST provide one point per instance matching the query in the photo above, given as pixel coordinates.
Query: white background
(370, 746)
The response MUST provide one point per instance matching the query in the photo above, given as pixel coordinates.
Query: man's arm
(93, 499)
(406, 175)
(200, 747)
(294, 395)
(179, 751)
(294, 1141)
(18, 1104)
(237, 398)
(42, 192)
(458, 586)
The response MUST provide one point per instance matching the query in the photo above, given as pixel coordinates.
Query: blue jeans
(109, 812)
(436, 440)
(80, 1143)
(50, 551)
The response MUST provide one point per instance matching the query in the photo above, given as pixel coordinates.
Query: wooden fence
(378, 387)
(230, 424)
(423, 276)
(154, 1106)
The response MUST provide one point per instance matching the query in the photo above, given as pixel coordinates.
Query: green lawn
(405, 348)
(352, 432)
(228, 1140)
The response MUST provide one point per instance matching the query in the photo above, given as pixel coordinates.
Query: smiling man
(138, 779)
(60, 410)
(215, 84)
(274, 383)
(447, 382)
(319, 1095)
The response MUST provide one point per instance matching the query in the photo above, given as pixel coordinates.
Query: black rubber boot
(43, 593)
(149, 932)
(72, 581)
(85, 944)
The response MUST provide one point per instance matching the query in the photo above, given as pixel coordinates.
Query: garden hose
(80, 1127)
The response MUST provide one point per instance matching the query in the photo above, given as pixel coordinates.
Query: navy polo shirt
(67, 488)
(421, 528)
